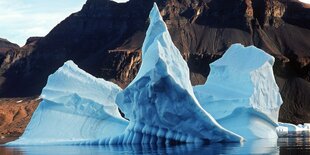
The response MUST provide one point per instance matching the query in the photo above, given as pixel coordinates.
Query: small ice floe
(19, 101)
(288, 129)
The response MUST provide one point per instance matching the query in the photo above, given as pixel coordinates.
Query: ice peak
(156, 28)
(69, 63)
(155, 14)
(247, 58)
(161, 55)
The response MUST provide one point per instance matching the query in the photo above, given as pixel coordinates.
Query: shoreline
(4, 140)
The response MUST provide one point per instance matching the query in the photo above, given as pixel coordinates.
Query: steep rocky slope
(105, 39)
(15, 113)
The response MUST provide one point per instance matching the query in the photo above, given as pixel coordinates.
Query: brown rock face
(105, 39)
(15, 115)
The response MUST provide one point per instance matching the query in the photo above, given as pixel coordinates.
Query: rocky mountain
(11, 53)
(105, 39)
(6, 47)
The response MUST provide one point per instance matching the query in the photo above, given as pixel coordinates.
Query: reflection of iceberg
(160, 102)
(241, 92)
(76, 108)
(260, 146)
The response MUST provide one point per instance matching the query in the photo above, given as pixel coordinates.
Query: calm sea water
(282, 146)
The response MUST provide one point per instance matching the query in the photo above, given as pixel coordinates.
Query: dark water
(283, 146)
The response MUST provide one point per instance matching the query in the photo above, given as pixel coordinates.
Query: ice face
(160, 102)
(69, 80)
(241, 92)
(77, 108)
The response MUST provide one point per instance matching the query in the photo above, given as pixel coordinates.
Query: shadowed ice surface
(283, 146)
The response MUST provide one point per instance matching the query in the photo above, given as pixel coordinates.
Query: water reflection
(283, 146)
(294, 145)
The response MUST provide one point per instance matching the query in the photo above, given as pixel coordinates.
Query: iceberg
(160, 102)
(77, 108)
(241, 92)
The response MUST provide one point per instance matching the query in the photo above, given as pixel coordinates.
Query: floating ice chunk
(306, 126)
(288, 129)
(121, 1)
(77, 108)
(160, 102)
(241, 92)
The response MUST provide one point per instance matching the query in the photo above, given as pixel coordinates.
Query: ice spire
(160, 102)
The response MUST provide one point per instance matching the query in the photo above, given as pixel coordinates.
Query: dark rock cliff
(6, 47)
(105, 39)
